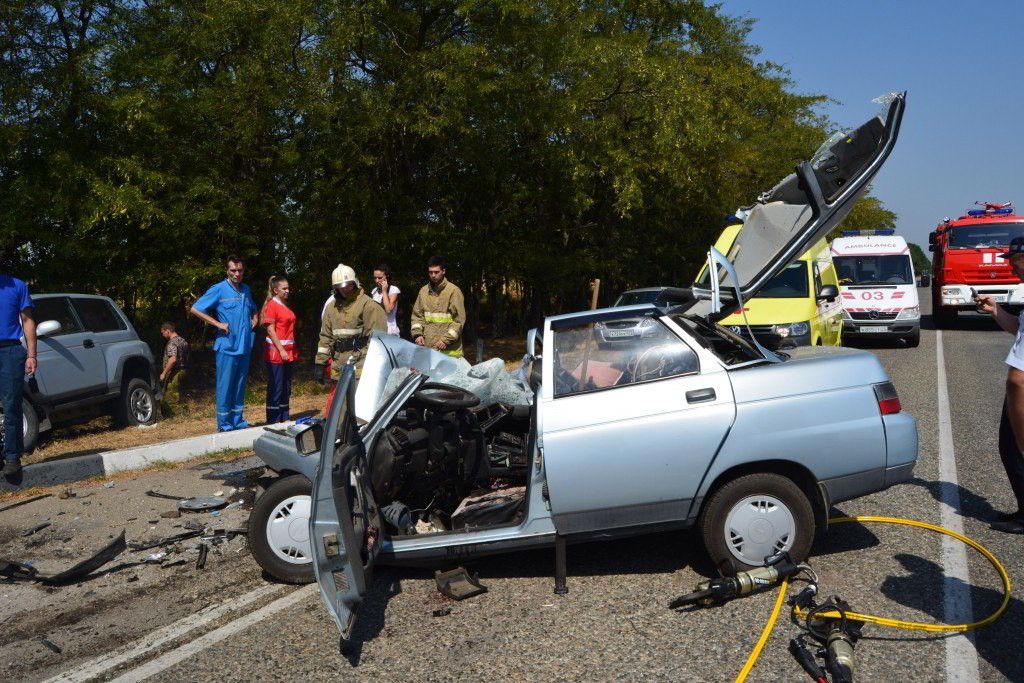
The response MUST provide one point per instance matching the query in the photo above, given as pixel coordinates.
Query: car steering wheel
(445, 396)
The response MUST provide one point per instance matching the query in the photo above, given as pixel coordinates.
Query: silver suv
(91, 362)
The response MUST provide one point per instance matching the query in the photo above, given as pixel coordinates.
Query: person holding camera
(1011, 425)
(348, 323)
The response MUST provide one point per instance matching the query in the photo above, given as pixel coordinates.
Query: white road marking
(961, 655)
(229, 629)
(95, 668)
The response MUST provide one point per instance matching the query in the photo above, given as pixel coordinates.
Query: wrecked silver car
(690, 425)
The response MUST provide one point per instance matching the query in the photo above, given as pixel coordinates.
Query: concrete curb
(102, 464)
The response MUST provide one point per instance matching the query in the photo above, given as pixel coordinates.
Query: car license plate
(873, 328)
(619, 333)
(999, 297)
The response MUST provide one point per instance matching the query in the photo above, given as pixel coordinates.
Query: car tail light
(888, 400)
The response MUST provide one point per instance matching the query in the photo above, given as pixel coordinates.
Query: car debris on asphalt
(50, 645)
(26, 501)
(458, 584)
(202, 503)
(166, 496)
(204, 550)
(26, 572)
(37, 528)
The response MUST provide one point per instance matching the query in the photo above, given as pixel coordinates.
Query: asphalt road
(173, 623)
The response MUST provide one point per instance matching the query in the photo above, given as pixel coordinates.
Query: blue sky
(962, 139)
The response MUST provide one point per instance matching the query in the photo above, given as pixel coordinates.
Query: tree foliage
(867, 214)
(535, 143)
(922, 264)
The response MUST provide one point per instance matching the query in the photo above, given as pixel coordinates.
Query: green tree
(535, 143)
(922, 264)
(867, 214)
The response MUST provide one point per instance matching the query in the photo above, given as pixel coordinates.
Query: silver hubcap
(141, 405)
(24, 425)
(759, 526)
(288, 530)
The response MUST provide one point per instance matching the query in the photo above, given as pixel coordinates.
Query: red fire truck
(967, 257)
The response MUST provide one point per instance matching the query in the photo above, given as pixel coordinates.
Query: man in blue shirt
(15, 362)
(235, 315)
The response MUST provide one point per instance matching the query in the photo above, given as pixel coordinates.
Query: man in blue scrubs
(15, 362)
(229, 306)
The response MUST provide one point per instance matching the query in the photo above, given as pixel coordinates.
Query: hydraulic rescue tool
(717, 591)
(832, 625)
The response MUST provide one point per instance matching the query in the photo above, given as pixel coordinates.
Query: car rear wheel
(755, 516)
(137, 404)
(279, 530)
(29, 426)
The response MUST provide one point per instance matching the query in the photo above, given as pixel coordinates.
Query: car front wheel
(279, 530)
(137, 404)
(29, 426)
(756, 516)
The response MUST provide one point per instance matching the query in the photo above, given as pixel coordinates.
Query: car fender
(117, 356)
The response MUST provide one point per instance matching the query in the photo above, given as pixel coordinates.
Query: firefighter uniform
(440, 313)
(346, 329)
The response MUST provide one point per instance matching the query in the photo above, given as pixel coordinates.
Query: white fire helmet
(343, 274)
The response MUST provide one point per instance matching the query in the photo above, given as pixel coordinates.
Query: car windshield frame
(884, 264)
(786, 284)
(963, 236)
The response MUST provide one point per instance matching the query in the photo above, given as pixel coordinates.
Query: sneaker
(11, 469)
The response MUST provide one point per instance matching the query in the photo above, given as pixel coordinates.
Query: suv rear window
(98, 315)
(55, 308)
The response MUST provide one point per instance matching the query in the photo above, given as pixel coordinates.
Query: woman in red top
(281, 353)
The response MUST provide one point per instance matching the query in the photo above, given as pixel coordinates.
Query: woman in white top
(386, 294)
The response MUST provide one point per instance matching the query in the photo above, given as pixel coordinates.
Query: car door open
(345, 527)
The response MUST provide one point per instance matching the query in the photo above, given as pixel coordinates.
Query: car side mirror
(308, 441)
(47, 328)
(931, 247)
(926, 279)
(828, 293)
(931, 239)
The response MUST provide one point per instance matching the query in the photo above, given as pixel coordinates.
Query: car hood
(384, 353)
(801, 209)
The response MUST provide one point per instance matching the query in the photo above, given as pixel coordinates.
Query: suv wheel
(755, 516)
(29, 426)
(279, 530)
(137, 404)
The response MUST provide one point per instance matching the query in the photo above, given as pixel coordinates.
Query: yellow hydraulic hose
(756, 652)
(885, 621)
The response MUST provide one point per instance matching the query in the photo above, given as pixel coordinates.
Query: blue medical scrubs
(234, 306)
(14, 298)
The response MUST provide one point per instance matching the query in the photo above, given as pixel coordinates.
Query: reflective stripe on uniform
(347, 331)
(457, 353)
(322, 349)
(438, 318)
